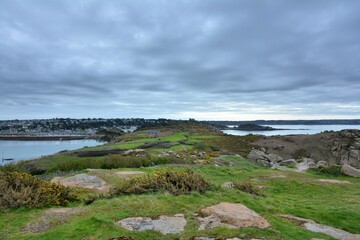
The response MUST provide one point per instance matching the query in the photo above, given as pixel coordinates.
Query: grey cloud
(169, 58)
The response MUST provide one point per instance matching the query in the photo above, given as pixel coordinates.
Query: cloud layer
(208, 59)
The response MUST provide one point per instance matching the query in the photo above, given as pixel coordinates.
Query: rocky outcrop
(332, 147)
(301, 166)
(322, 164)
(232, 215)
(320, 228)
(83, 181)
(264, 159)
(163, 224)
(289, 162)
(347, 148)
(350, 171)
(305, 164)
(277, 162)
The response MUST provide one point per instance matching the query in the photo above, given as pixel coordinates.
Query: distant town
(88, 127)
(73, 127)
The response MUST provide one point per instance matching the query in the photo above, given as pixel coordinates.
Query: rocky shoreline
(301, 152)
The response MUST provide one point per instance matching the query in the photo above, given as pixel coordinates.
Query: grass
(135, 140)
(298, 194)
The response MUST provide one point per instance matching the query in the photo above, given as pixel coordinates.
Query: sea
(293, 129)
(25, 150)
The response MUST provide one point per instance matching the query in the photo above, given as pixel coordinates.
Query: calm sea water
(294, 129)
(24, 150)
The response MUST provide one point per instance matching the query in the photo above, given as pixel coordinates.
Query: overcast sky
(204, 59)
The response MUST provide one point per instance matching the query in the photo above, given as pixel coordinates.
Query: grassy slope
(298, 194)
(133, 141)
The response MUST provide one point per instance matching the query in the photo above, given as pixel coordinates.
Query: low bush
(113, 161)
(92, 198)
(248, 188)
(174, 182)
(22, 167)
(21, 189)
(334, 170)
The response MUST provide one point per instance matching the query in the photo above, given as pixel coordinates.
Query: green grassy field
(181, 140)
(299, 194)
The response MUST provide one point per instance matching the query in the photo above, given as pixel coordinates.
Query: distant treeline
(289, 122)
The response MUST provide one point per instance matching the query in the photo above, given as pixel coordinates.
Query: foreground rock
(164, 224)
(320, 228)
(83, 181)
(350, 171)
(51, 218)
(233, 215)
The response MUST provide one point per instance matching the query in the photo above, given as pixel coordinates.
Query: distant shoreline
(47, 138)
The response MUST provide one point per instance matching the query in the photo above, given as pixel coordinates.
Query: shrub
(22, 167)
(21, 189)
(113, 161)
(334, 170)
(200, 146)
(174, 182)
(92, 198)
(248, 188)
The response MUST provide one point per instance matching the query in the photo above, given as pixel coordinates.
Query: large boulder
(302, 166)
(232, 215)
(256, 154)
(264, 159)
(163, 224)
(354, 158)
(289, 162)
(321, 164)
(274, 158)
(83, 181)
(309, 162)
(350, 171)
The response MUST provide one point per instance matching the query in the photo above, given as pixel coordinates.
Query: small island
(255, 127)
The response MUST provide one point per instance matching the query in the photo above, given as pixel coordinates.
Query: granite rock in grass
(350, 171)
(163, 224)
(83, 181)
(232, 215)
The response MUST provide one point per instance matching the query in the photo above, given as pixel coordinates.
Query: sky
(202, 59)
